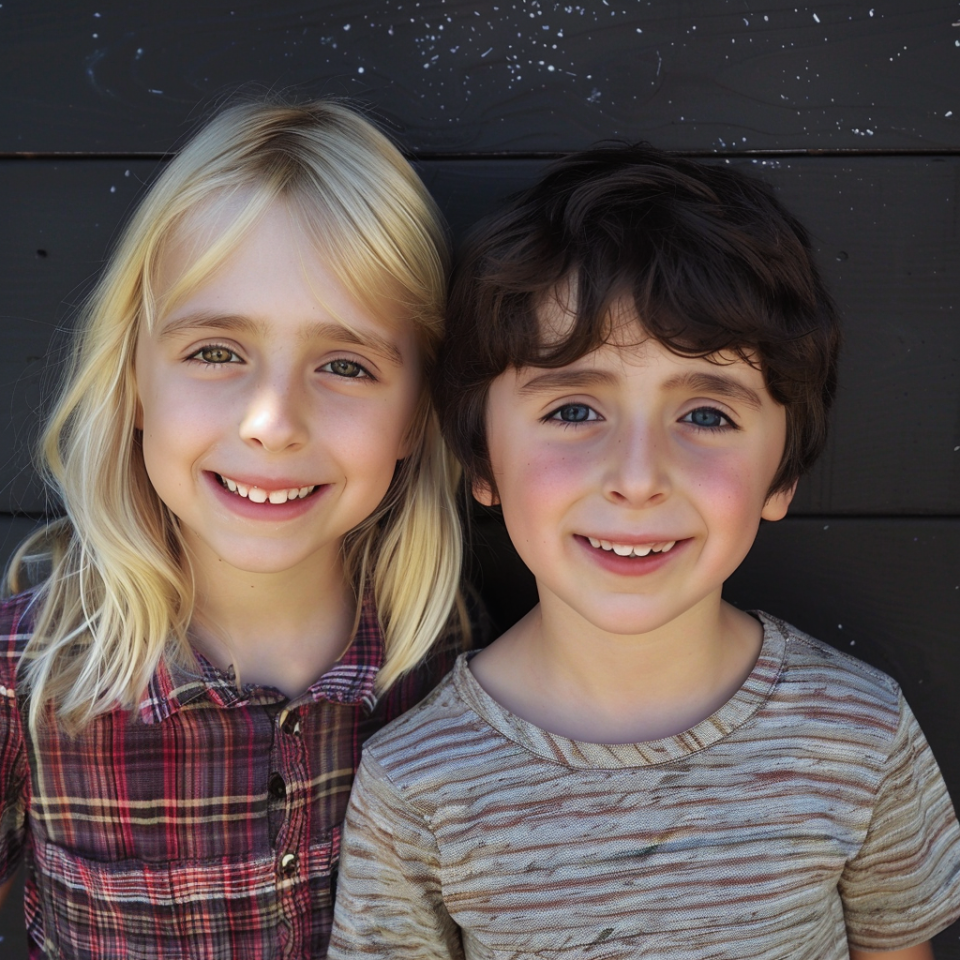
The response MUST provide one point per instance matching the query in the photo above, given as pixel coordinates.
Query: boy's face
(633, 480)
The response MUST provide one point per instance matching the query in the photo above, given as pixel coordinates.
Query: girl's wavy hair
(119, 595)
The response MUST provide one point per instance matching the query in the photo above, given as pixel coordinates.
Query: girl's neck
(283, 631)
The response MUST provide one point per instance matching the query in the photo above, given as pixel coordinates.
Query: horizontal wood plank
(889, 244)
(454, 76)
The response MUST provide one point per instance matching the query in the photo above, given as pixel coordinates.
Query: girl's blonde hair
(119, 595)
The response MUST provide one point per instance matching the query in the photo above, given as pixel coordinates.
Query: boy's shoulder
(424, 733)
(807, 659)
(823, 690)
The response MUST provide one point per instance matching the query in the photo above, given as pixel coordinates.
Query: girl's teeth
(257, 495)
(622, 549)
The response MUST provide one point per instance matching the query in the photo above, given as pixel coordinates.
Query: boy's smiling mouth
(631, 549)
(260, 495)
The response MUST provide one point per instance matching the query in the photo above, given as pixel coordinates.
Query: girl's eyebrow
(337, 332)
(717, 383)
(566, 380)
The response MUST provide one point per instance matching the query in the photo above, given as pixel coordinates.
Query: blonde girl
(259, 546)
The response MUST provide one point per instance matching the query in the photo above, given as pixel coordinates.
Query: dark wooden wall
(852, 109)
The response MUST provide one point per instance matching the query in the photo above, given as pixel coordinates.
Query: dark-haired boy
(640, 360)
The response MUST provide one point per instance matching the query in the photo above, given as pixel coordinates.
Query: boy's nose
(274, 417)
(636, 467)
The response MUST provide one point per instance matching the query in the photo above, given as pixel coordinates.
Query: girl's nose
(636, 473)
(275, 417)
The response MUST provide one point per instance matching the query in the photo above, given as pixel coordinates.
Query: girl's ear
(483, 493)
(777, 503)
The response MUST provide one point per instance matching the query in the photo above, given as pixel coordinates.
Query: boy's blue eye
(707, 417)
(573, 413)
(345, 368)
(214, 353)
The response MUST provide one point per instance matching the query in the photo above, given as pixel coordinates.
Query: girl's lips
(274, 492)
(265, 503)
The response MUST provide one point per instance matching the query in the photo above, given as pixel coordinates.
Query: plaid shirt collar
(349, 681)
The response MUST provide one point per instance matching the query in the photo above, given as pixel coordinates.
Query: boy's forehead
(619, 326)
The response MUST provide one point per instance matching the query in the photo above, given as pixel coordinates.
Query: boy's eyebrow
(565, 380)
(717, 383)
(326, 330)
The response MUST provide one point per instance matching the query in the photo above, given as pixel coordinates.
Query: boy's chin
(629, 615)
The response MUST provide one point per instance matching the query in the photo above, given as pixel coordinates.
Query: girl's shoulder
(16, 628)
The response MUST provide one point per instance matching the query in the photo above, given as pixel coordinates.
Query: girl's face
(272, 423)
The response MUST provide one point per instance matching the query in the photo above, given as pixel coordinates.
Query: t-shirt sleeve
(903, 886)
(389, 901)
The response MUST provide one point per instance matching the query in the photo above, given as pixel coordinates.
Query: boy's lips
(634, 549)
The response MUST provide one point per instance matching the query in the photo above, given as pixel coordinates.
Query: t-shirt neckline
(754, 691)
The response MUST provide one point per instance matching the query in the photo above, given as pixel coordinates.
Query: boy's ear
(777, 503)
(483, 493)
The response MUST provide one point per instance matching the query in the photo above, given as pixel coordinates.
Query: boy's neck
(577, 681)
(283, 631)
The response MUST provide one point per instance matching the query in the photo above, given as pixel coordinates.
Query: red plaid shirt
(207, 826)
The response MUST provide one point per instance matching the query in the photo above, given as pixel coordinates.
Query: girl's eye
(708, 418)
(574, 413)
(216, 354)
(345, 368)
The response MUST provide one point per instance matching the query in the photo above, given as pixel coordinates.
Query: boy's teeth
(258, 495)
(630, 550)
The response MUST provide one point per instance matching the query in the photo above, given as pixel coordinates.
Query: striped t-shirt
(807, 813)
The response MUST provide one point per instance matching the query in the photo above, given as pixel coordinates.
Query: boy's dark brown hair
(707, 257)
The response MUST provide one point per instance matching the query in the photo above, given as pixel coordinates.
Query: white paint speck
(816, 18)
(113, 189)
(346, 26)
(485, 52)
(160, 92)
(949, 113)
(359, 69)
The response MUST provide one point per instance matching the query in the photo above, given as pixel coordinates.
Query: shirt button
(291, 725)
(277, 787)
(288, 863)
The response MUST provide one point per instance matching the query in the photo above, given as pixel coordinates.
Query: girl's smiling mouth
(262, 495)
